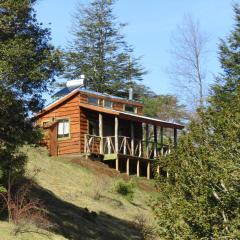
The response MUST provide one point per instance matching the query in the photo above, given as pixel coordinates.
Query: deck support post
(147, 137)
(175, 137)
(148, 170)
(127, 167)
(101, 132)
(117, 164)
(155, 140)
(138, 168)
(132, 139)
(116, 134)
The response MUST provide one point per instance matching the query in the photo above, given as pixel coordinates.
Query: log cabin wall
(118, 103)
(79, 120)
(67, 110)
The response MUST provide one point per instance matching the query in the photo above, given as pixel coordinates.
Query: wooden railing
(125, 145)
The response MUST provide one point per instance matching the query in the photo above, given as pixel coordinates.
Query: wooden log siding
(66, 110)
(75, 107)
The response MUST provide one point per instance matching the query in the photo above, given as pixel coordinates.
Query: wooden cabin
(114, 129)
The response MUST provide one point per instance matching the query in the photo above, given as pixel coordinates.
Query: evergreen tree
(28, 64)
(99, 50)
(201, 197)
(165, 107)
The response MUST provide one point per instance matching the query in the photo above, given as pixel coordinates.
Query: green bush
(126, 189)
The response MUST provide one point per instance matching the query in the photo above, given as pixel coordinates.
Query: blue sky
(151, 24)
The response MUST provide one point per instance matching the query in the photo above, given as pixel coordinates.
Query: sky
(150, 26)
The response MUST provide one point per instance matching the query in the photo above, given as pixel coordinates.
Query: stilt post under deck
(138, 168)
(101, 132)
(117, 164)
(155, 141)
(127, 167)
(148, 170)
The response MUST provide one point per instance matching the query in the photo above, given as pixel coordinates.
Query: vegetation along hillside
(84, 200)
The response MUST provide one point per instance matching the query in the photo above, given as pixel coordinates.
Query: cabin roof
(65, 91)
(121, 114)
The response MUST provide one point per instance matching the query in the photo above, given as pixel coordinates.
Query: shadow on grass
(75, 223)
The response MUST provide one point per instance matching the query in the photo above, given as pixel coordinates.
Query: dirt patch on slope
(96, 167)
(101, 169)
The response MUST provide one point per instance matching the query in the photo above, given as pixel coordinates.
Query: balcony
(111, 146)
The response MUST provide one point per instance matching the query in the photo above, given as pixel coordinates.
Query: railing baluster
(140, 149)
(124, 146)
(109, 145)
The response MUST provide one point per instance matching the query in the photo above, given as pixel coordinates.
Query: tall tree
(188, 68)
(165, 107)
(99, 50)
(28, 64)
(200, 199)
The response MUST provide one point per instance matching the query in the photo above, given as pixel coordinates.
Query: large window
(63, 128)
(130, 108)
(108, 104)
(93, 100)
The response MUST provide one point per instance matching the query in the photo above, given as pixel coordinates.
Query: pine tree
(99, 50)
(200, 199)
(28, 64)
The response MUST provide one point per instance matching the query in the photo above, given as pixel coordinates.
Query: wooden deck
(127, 149)
(110, 147)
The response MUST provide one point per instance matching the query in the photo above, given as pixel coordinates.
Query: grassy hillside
(81, 199)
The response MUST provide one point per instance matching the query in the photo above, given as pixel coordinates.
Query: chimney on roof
(130, 93)
(82, 77)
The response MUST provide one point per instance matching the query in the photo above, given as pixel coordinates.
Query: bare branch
(189, 50)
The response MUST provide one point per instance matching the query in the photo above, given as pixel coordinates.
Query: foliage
(200, 198)
(28, 62)
(99, 50)
(165, 107)
(147, 229)
(26, 212)
(126, 189)
(28, 65)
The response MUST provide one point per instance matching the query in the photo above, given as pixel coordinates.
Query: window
(100, 102)
(107, 104)
(93, 100)
(130, 108)
(63, 128)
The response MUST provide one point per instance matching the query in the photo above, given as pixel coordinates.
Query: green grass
(83, 204)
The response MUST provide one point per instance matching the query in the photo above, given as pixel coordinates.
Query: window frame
(134, 108)
(69, 129)
(95, 104)
(104, 104)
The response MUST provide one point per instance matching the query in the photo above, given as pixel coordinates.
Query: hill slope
(81, 199)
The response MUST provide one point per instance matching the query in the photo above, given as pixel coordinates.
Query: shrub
(126, 189)
(145, 227)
